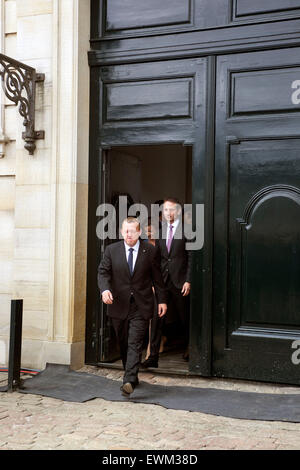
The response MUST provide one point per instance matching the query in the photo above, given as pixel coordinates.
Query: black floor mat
(58, 381)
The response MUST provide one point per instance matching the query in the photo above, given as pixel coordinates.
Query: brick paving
(32, 422)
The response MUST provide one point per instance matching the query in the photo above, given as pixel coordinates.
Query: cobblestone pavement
(41, 423)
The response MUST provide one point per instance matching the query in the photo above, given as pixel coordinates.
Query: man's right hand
(162, 310)
(107, 297)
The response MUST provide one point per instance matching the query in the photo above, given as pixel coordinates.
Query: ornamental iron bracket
(19, 85)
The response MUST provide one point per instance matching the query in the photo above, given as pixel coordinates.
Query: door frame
(203, 152)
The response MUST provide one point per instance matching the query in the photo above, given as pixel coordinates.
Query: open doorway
(146, 175)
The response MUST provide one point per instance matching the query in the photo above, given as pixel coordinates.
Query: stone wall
(8, 42)
(43, 198)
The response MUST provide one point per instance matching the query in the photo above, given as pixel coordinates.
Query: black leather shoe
(149, 363)
(127, 389)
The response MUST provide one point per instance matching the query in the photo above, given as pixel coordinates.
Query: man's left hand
(186, 289)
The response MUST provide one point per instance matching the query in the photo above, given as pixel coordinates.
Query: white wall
(7, 181)
(43, 209)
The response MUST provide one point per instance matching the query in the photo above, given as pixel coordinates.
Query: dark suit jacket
(177, 264)
(114, 275)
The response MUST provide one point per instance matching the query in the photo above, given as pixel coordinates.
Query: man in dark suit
(126, 275)
(176, 269)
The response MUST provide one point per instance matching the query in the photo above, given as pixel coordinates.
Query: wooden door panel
(264, 231)
(257, 218)
(265, 253)
(152, 102)
(143, 100)
(256, 7)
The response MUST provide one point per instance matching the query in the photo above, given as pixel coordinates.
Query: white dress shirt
(135, 252)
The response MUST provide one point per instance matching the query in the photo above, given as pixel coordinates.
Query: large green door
(257, 217)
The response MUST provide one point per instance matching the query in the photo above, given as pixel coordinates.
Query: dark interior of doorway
(147, 174)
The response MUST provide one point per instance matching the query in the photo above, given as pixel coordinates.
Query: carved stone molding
(19, 84)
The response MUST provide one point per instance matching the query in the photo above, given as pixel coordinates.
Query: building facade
(204, 89)
(44, 196)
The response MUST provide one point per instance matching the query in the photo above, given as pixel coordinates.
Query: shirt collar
(135, 247)
(174, 224)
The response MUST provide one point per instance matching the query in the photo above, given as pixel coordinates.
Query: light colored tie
(170, 238)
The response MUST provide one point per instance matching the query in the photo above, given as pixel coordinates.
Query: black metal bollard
(15, 345)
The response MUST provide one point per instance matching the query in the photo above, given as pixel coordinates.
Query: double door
(239, 114)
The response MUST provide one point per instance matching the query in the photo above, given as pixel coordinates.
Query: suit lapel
(164, 233)
(139, 257)
(123, 258)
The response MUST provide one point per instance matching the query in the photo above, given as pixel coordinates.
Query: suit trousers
(178, 307)
(130, 334)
